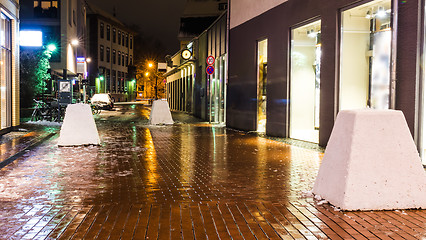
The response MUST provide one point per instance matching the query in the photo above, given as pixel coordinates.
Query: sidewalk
(186, 181)
(15, 143)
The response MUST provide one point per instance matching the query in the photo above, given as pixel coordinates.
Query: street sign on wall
(210, 70)
(210, 60)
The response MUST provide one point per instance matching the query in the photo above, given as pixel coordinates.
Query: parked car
(104, 100)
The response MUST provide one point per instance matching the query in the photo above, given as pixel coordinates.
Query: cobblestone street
(191, 180)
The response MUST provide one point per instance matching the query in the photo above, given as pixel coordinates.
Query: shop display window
(262, 73)
(422, 142)
(365, 53)
(305, 64)
(218, 91)
(5, 72)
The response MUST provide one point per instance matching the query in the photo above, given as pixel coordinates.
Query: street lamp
(151, 65)
(51, 47)
(74, 42)
(88, 60)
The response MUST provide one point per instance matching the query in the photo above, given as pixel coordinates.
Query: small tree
(33, 74)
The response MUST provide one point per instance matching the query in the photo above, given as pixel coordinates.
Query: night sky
(159, 19)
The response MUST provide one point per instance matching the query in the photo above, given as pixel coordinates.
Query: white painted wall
(244, 10)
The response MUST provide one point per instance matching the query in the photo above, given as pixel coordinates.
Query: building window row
(123, 38)
(45, 9)
(123, 59)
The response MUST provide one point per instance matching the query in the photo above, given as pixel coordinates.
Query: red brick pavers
(187, 181)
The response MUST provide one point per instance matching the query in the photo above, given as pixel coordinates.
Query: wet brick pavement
(191, 180)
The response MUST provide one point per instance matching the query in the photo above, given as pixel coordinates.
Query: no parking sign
(210, 70)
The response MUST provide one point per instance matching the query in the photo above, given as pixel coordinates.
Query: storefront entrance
(365, 56)
(262, 76)
(305, 63)
(422, 142)
(5, 72)
(218, 91)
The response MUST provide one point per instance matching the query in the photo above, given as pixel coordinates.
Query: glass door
(422, 148)
(217, 87)
(305, 63)
(5, 72)
(262, 76)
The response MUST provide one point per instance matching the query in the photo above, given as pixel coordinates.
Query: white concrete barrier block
(79, 127)
(160, 113)
(371, 163)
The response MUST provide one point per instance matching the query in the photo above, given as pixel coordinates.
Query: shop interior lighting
(381, 13)
(368, 15)
(312, 33)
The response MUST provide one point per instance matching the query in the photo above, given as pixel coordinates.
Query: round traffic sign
(210, 70)
(210, 60)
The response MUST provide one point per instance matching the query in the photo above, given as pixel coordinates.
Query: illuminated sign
(81, 59)
(186, 54)
(31, 38)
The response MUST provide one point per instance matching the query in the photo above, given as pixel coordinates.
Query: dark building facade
(111, 49)
(294, 65)
(198, 15)
(62, 23)
(189, 87)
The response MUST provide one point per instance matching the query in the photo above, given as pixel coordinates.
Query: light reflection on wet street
(139, 163)
(188, 180)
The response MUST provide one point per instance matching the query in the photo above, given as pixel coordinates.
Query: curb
(19, 154)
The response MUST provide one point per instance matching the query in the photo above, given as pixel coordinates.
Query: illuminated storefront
(320, 59)
(305, 81)
(190, 87)
(217, 91)
(365, 56)
(9, 76)
(262, 77)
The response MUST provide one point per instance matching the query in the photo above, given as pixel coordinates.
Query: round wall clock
(186, 54)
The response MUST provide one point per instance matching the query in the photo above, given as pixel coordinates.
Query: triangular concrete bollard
(79, 127)
(371, 163)
(160, 113)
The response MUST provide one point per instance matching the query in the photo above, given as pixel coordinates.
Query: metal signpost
(64, 92)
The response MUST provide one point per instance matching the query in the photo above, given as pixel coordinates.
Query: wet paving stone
(188, 180)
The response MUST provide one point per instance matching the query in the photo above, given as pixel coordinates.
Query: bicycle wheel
(96, 109)
(36, 116)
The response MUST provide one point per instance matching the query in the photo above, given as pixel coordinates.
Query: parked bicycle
(96, 108)
(48, 112)
(58, 112)
(41, 111)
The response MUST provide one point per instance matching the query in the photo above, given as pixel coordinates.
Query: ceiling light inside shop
(381, 13)
(368, 15)
(312, 33)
